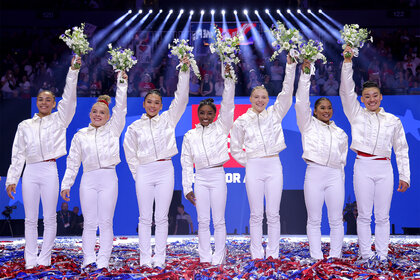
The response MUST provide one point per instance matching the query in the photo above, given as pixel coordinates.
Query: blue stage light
(235, 12)
(245, 11)
(298, 11)
(309, 11)
(288, 11)
(267, 11)
(202, 12)
(212, 12)
(130, 11)
(140, 11)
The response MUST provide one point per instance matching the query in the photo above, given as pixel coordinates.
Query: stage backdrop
(405, 210)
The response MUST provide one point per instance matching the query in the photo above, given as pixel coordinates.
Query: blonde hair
(262, 87)
(104, 99)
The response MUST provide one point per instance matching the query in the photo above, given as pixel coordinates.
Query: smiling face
(323, 111)
(259, 99)
(152, 104)
(206, 115)
(99, 114)
(45, 103)
(372, 98)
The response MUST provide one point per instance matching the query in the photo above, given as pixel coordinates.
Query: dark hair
(47, 91)
(370, 84)
(319, 101)
(209, 102)
(153, 91)
(181, 206)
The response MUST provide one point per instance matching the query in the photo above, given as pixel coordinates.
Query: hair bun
(105, 98)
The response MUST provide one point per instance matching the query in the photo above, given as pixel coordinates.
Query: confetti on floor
(183, 261)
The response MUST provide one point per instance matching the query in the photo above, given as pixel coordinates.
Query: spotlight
(320, 11)
(160, 11)
(298, 11)
(171, 11)
(223, 12)
(130, 11)
(235, 12)
(212, 12)
(278, 11)
(181, 11)
(191, 12)
(288, 11)
(150, 11)
(140, 11)
(256, 12)
(245, 11)
(309, 11)
(202, 12)
(267, 11)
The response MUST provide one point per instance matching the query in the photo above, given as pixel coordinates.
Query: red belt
(362, 154)
(47, 160)
(164, 159)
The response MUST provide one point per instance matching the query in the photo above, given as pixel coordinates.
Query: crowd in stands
(34, 61)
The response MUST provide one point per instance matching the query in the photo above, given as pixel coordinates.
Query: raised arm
(351, 105)
(285, 97)
(119, 111)
(302, 106)
(18, 158)
(130, 150)
(399, 143)
(228, 105)
(67, 105)
(236, 143)
(74, 159)
(187, 166)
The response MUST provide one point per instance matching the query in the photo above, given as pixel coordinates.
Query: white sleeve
(18, 158)
(179, 103)
(237, 135)
(187, 166)
(351, 105)
(399, 143)
(227, 106)
(285, 97)
(117, 121)
(302, 106)
(130, 150)
(74, 160)
(67, 105)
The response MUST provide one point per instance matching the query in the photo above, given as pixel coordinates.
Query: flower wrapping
(181, 49)
(76, 40)
(355, 37)
(311, 51)
(121, 60)
(285, 40)
(228, 49)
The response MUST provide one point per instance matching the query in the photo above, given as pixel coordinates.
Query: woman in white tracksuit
(374, 134)
(206, 147)
(97, 147)
(149, 144)
(325, 152)
(259, 131)
(38, 143)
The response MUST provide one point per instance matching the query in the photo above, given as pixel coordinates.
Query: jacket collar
(253, 114)
(199, 126)
(331, 124)
(380, 112)
(144, 117)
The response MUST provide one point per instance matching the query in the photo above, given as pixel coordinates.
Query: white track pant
(373, 186)
(154, 182)
(98, 197)
(323, 183)
(210, 191)
(40, 180)
(264, 177)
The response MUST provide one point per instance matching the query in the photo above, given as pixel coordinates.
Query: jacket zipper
(204, 147)
(153, 139)
(40, 142)
(259, 128)
(329, 153)
(96, 146)
(377, 136)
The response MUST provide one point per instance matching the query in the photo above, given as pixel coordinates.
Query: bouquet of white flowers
(354, 37)
(121, 60)
(285, 39)
(181, 49)
(311, 51)
(228, 49)
(76, 41)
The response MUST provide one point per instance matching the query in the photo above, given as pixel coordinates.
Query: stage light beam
(235, 12)
(202, 12)
(288, 11)
(309, 11)
(212, 12)
(267, 11)
(245, 11)
(298, 11)
(223, 12)
(256, 12)
(140, 11)
(191, 12)
(130, 11)
(320, 11)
